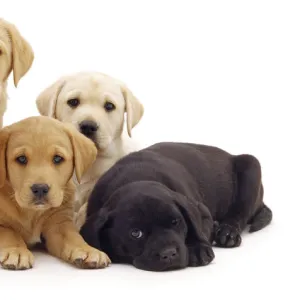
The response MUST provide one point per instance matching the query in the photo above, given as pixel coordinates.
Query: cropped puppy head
(15, 52)
(38, 156)
(94, 103)
(151, 227)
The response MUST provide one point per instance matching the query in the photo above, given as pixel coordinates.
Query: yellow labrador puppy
(95, 104)
(15, 55)
(38, 157)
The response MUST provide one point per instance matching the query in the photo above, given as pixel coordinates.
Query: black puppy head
(152, 228)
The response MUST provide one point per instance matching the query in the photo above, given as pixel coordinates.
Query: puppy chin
(44, 205)
(31, 203)
(102, 143)
(154, 266)
(40, 206)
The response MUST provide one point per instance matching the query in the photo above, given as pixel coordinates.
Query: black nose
(40, 190)
(168, 254)
(88, 127)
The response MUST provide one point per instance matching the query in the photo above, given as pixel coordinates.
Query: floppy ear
(200, 230)
(46, 101)
(93, 225)
(133, 107)
(4, 136)
(3, 49)
(198, 219)
(84, 151)
(22, 53)
(4, 62)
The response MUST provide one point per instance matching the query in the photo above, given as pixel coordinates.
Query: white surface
(224, 73)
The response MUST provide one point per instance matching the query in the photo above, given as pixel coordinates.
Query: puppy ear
(84, 151)
(198, 219)
(133, 107)
(200, 229)
(4, 57)
(4, 136)
(22, 53)
(46, 101)
(93, 225)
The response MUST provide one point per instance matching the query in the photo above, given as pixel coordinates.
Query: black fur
(182, 197)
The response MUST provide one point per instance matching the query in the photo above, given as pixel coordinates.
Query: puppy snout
(88, 128)
(168, 254)
(40, 190)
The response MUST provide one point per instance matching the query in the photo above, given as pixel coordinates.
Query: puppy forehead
(37, 142)
(93, 84)
(147, 210)
(39, 134)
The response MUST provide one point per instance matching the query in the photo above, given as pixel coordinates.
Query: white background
(224, 73)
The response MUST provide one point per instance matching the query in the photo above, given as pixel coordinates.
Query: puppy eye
(136, 233)
(22, 159)
(57, 159)
(73, 102)
(175, 222)
(109, 106)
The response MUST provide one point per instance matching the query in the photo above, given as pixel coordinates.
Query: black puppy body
(156, 208)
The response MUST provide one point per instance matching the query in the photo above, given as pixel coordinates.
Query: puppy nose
(88, 127)
(168, 254)
(40, 190)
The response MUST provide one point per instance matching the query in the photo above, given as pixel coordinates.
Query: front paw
(16, 258)
(227, 236)
(200, 255)
(88, 258)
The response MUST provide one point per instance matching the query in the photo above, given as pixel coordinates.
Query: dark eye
(73, 102)
(57, 159)
(175, 222)
(136, 233)
(109, 106)
(22, 159)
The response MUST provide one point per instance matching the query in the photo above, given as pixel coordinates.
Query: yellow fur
(22, 221)
(16, 55)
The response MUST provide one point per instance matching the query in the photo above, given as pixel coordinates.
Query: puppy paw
(200, 255)
(227, 236)
(16, 258)
(88, 258)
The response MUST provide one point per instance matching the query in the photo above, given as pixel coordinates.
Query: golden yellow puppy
(38, 156)
(15, 55)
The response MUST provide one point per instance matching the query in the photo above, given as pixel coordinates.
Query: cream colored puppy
(15, 55)
(95, 104)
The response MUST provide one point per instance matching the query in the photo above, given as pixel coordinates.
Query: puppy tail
(261, 219)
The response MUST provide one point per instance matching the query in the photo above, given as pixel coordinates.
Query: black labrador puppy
(162, 207)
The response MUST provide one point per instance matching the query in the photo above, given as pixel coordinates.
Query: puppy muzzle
(165, 259)
(40, 192)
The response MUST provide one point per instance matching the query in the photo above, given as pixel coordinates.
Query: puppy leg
(14, 254)
(64, 241)
(81, 216)
(248, 199)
